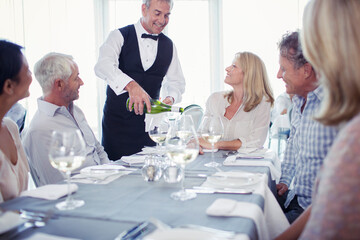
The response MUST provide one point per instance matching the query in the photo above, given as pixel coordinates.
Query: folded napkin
(9, 220)
(104, 169)
(151, 150)
(147, 151)
(233, 180)
(252, 150)
(45, 236)
(273, 165)
(223, 207)
(134, 159)
(210, 150)
(189, 234)
(274, 217)
(101, 174)
(50, 191)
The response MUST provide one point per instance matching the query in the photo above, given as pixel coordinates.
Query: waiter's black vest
(123, 131)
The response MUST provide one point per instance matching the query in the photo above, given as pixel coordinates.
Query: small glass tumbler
(173, 173)
(152, 170)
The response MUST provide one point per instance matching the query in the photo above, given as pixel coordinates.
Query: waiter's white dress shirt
(107, 66)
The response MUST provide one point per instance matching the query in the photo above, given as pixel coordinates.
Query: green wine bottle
(157, 107)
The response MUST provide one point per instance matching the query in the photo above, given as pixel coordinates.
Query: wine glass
(182, 147)
(67, 153)
(211, 130)
(158, 128)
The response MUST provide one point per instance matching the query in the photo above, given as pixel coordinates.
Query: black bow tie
(153, 37)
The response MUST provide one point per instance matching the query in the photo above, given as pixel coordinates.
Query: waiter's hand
(168, 100)
(138, 96)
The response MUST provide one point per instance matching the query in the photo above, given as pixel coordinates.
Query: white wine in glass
(182, 149)
(67, 153)
(212, 130)
(157, 131)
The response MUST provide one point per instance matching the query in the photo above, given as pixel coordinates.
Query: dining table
(119, 205)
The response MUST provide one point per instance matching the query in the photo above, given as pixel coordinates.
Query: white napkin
(151, 150)
(147, 151)
(188, 234)
(45, 236)
(274, 165)
(210, 150)
(252, 150)
(229, 208)
(275, 219)
(234, 180)
(50, 191)
(103, 169)
(133, 159)
(9, 220)
(101, 174)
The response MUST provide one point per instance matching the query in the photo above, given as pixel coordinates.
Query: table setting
(173, 188)
(256, 157)
(101, 174)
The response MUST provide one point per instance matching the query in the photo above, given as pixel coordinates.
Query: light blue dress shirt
(307, 147)
(37, 137)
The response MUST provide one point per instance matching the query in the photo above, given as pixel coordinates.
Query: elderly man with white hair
(58, 76)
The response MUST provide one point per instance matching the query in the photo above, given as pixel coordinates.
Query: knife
(137, 231)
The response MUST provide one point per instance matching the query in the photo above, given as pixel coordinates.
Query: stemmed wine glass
(211, 130)
(157, 131)
(182, 147)
(67, 153)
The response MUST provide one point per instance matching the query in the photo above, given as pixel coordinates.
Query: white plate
(9, 220)
(233, 179)
(181, 234)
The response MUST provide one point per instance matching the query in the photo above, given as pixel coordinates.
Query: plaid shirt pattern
(307, 147)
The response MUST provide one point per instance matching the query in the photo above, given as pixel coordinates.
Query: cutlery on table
(207, 190)
(137, 232)
(32, 220)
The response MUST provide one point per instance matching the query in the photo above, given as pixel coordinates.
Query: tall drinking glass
(67, 153)
(182, 147)
(211, 130)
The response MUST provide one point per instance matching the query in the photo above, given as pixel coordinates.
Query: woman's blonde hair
(331, 42)
(256, 81)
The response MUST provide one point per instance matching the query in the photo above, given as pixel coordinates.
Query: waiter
(136, 61)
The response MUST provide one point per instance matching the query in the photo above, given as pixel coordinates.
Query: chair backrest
(196, 112)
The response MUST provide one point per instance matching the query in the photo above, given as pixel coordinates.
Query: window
(207, 34)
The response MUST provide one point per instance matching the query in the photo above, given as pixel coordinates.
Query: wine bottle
(158, 107)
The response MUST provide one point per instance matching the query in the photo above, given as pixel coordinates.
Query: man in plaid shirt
(309, 140)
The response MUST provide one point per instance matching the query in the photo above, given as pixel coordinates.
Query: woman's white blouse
(251, 128)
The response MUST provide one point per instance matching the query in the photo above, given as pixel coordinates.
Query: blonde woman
(15, 79)
(332, 45)
(245, 110)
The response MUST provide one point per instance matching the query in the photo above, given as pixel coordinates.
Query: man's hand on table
(281, 188)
